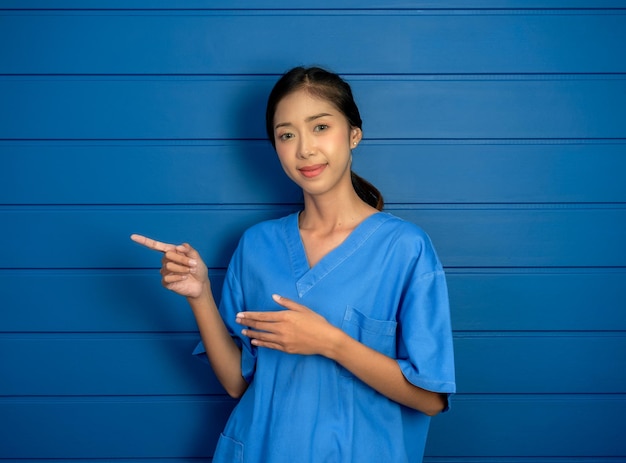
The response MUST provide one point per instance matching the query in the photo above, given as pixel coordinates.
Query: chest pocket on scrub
(379, 335)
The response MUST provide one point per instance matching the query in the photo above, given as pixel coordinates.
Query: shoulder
(410, 241)
(268, 228)
(260, 241)
(266, 235)
(402, 230)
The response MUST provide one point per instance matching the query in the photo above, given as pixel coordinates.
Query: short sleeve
(232, 302)
(425, 349)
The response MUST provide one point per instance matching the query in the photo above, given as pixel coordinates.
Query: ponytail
(367, 192)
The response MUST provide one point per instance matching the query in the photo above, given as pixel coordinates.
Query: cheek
(283, 154)
(284, 158)
(340, 141)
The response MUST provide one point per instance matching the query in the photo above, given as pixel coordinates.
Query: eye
(320, 127)
(285, 136)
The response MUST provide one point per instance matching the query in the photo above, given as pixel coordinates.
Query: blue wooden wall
(498, 126)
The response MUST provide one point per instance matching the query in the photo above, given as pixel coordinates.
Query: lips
(312, 171)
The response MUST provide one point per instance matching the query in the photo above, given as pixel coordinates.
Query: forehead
(300, 105)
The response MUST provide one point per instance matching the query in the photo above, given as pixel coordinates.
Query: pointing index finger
(152, 244)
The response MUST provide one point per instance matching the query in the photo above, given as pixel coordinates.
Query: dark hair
(330, 87)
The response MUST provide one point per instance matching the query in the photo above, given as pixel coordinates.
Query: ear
(355, 137)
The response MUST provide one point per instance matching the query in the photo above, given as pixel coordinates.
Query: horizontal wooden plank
(525, 426)
(136, 460)
(159, 427)
(484, 300)
(588, 426)
(162, 364)
(126, 460)
(576, 300)
(132, 460)
(248, 172)
(476, 236)
(165, 5)
(406, 107)
(524, 237)
(526, 459)
(543, 364)
(180, 173)
(187, 42)
(98, 301)
(100, 237)
(104, 364)
(514, 171)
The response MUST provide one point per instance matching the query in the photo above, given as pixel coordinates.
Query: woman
(333, 328)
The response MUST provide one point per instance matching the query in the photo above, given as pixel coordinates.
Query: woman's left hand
(297, 330)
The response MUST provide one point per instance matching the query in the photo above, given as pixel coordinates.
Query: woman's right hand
(182, 270)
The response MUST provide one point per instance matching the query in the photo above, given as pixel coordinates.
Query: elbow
(436, 406)
(433, 411)
(234, 394)
(236, 390)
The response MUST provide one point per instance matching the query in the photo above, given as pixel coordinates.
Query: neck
(334, 212)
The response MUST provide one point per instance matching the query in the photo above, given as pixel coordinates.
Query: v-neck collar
(306, 276)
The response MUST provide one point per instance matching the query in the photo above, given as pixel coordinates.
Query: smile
(312, 171)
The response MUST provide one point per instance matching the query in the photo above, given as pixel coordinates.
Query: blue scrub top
(385, 287)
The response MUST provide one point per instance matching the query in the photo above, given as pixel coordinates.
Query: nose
(306, 147)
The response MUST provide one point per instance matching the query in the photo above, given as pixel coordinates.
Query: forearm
(382, 373)
(222, 352)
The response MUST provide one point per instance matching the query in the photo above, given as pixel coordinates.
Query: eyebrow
(308, 119)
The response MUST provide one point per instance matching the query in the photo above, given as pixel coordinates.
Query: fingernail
(276, 297)
(193, 262)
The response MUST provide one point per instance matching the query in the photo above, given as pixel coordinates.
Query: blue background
(498, 126)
